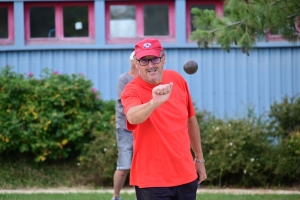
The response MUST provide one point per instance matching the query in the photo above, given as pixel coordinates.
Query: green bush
(285, 116)
(98, 159)
(253, 151)
(285, 127)
(287, 170)
(13, 91)
(236, 150)
(53, 117)
(62, 117)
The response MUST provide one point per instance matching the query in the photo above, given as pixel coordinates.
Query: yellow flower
(64, 142)
(41, 158)
(35, 115)
(59, 145)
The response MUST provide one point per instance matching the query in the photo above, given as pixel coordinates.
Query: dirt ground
(131, 190)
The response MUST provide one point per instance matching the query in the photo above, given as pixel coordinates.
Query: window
(61, 22)
(275, 34)
(216, 5)
(6, 23)
(131, 21)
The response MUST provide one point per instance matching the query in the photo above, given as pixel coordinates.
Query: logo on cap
(147, 45)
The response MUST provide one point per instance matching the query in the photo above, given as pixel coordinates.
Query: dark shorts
(181, 192)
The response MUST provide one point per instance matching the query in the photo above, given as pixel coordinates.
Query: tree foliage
(246, 20)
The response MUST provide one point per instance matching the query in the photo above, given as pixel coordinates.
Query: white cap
(131, 56)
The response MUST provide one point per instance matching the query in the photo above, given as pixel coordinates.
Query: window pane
(203, 7)
(275, 31)
(156, 20)
(122, 21)
(76, 21)
(3, 22)
(42, 22)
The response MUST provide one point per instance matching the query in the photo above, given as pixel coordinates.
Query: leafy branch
(245, 22)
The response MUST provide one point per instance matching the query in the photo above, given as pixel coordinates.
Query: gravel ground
(131, 190)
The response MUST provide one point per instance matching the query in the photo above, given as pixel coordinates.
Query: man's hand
(201, 171)
(161, 93)
(140, 113)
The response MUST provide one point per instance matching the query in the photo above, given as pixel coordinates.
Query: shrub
(285, 116)
(251, 151)
(236, 151)
(285, 127)
(62, 116)
(287, 171)
(98, 159)
(13, 91)
(52, 117)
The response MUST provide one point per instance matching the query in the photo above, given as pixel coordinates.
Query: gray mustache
(152, 69)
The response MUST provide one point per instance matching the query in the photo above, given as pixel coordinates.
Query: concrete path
(131, 190)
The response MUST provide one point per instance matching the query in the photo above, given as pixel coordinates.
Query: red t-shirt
(161, 156)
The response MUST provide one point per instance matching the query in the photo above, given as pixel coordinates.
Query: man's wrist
(199, 160)
(153, 104)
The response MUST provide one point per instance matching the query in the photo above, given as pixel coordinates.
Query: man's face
(151, 73)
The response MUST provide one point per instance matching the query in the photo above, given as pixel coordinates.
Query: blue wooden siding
(226, 84)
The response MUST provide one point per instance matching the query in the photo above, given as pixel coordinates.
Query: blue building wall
(226, 84)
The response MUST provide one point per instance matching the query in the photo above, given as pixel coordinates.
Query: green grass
(125, 196)
(248, 197)
(16, 173)
(21, 173)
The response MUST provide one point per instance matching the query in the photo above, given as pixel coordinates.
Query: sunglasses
(154, 60)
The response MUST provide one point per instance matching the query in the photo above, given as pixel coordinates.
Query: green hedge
(237, 151)
(58, 117)
(253, 151)
(53, 117)
(285, 127)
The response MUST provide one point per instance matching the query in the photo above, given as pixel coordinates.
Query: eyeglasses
(154, 60)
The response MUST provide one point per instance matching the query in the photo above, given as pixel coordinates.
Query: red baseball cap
(148, 47)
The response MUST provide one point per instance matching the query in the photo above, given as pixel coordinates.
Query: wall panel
(226, 84)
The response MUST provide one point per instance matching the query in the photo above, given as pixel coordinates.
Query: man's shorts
(124, 142)
(186, 191)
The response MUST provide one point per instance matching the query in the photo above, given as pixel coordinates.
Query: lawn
(125, 196)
